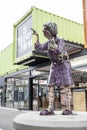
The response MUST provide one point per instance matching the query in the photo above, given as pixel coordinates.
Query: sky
(12, 10)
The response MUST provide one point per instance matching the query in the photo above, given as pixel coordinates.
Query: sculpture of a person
(60, 69)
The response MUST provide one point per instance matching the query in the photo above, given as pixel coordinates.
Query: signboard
(85, 21)
(79, 100)
(42, 82)
(24, 38)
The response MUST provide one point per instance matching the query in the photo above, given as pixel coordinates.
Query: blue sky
(12, 10)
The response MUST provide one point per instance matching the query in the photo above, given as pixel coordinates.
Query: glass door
(9, 93)
(21, 94)
(40, 93)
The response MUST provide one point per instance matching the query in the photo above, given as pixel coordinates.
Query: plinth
(33, 121)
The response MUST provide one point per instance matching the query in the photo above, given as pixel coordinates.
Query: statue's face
(47, 34)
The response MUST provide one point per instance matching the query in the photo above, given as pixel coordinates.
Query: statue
(60, 69)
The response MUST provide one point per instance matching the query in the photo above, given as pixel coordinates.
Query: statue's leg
(68, 96)
(51, 99)
(49, 110)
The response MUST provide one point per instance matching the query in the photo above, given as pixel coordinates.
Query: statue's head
(50, 30)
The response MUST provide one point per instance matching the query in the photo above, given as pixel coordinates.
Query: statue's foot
(67, 112)
(46, 112)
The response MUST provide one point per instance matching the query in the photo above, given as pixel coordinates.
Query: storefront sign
(24, 38)
(42, 82)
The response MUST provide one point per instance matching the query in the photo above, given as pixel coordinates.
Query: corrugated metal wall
(6, 64)
(69, 30)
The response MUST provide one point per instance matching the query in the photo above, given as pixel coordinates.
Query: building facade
(24, 71)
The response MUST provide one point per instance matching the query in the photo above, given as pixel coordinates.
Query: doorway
(39, 92)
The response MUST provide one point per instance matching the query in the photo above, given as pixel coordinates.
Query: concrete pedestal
(33, 121)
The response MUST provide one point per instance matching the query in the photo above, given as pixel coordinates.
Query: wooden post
(84, 2)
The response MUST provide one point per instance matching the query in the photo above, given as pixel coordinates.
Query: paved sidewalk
(6, 117)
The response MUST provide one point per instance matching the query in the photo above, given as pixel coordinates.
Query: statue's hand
(52, 47)
(34, 32)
